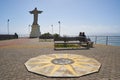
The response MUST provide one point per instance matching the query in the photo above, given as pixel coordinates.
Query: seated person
(82, 34)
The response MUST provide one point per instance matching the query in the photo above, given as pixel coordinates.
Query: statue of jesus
(35, 12)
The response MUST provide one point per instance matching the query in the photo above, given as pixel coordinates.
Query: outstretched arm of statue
(40, 11)
(31, 12)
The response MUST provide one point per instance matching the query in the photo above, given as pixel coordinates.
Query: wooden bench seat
(81, 41)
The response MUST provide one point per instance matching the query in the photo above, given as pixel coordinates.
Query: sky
(94, 17)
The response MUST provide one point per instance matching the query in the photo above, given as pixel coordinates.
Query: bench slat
(72, 40)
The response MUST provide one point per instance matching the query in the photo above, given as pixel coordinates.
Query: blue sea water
(107, 40)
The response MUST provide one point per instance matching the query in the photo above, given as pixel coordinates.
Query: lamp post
(8, 26)
(59, 27)
(29, 28)
(52, 28)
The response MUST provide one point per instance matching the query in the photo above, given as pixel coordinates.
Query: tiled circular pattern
(62, 65)
(62, 61)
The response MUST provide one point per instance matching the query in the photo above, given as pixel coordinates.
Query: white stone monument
(35, 31)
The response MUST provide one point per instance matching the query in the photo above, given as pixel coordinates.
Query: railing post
(106, 40)
(95, 39)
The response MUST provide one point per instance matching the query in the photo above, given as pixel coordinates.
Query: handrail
(107, 40)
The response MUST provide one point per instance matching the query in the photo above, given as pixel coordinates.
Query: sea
(111, 39)
(106, 40)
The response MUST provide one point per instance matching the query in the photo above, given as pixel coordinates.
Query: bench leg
(88, 45)
(91, 44)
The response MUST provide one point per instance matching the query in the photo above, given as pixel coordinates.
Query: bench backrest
(80, 38)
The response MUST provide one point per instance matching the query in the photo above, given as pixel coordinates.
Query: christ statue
(35, 12)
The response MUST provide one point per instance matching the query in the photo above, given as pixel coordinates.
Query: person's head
(80, 33)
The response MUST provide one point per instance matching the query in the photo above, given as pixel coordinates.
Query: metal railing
(107, 40)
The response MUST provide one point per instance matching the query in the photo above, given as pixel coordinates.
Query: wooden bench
(64, 41)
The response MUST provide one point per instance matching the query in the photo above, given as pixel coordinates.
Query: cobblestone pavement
(14, 53)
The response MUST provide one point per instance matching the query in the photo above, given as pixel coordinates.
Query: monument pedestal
(35, 31)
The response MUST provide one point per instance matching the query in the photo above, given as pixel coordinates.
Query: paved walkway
(14, 53)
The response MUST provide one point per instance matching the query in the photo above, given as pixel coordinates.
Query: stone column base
(35, 31)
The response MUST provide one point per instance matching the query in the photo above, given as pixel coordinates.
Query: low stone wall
(6, 36)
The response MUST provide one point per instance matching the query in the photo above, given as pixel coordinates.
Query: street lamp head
(59, 22)
(8, 20)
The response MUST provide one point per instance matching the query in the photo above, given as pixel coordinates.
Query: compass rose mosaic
(62, 65)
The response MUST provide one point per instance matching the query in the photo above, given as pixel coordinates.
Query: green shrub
(66, 45)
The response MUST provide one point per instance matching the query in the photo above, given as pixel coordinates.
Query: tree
(46, 36)
(56, 35)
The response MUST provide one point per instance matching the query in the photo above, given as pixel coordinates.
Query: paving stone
(14, 53)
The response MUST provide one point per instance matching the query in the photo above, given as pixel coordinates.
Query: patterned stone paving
(12, 60)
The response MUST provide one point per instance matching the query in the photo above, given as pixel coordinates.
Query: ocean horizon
(106, 40)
